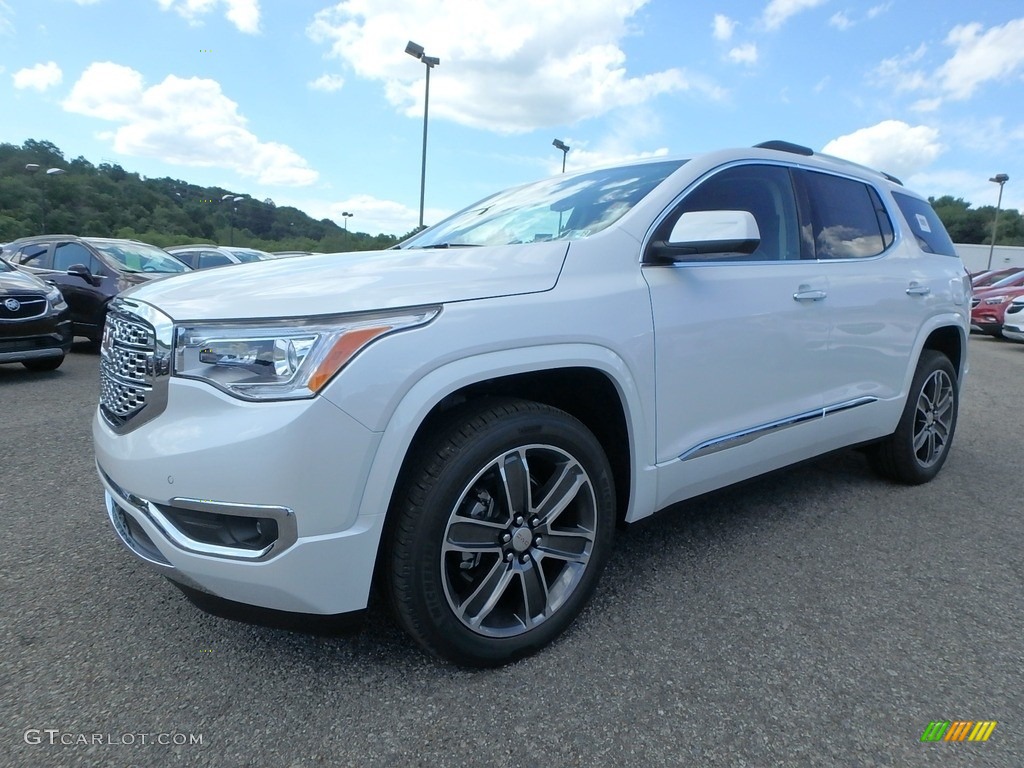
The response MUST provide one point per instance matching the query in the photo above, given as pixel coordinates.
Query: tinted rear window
(925, 224)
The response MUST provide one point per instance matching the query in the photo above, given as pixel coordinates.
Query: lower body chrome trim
(746, 436)
(120, 501)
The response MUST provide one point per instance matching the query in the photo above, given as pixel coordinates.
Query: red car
(988, 306)
(986, 278)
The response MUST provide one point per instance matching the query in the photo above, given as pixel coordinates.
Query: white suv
(469, 416)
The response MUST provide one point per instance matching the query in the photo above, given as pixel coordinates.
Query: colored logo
(959, 730)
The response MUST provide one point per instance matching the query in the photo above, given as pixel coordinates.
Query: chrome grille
(22, 306)
(134, 364)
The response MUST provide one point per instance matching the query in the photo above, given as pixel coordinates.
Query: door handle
(916, 289)
(809, 295)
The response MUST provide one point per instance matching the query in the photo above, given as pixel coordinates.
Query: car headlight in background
(56, 299)
(285, 359)
(998, 300)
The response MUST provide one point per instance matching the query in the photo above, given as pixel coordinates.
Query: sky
(316, 104)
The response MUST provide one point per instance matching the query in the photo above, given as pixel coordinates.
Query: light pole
(1000, 179)
(345, 216)
(416, 51)
(559, 144)
(32, 168)
(234, 199)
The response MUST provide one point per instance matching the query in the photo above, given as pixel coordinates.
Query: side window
(925, 224)
(766, 191)
(67, 254)
(213, 259)
(189, 257)
(848, 219)
(31, 256)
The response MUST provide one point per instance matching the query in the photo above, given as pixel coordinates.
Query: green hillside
(107, 201)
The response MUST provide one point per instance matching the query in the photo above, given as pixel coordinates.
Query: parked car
(469, 416)
(985, 279)
(1013, 320)
(203, 256)
(35, 322)
(989, 304)
(90, 271)
(289, 254)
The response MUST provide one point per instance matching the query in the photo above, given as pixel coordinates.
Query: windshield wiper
(450, 245)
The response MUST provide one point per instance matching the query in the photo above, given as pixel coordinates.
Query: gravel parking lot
(818, 616)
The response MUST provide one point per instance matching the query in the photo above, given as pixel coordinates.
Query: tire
(916, 451)
(44, 364)
(499, 532)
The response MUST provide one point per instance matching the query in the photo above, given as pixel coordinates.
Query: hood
(1013, 290)
(334, 283)
(19, 282)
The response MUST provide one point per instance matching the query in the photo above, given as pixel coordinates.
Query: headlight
(286, 359)
(998, 300)
(56, 299)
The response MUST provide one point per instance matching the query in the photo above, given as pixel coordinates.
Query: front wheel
(916, 451)
(499, 532)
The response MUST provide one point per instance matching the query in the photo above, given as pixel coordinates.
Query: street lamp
(1000, 179)
(32, 168)
(416, 51)
(231, 222)
(345, 217)
(559, 144)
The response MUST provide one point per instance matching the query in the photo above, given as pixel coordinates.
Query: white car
(204, 256)
(469, 416)
(1013, 320)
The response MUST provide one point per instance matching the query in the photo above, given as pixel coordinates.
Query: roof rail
(785, 146)
(891, 178)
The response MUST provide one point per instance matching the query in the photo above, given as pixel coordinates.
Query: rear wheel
(500, 532)
(916, 451)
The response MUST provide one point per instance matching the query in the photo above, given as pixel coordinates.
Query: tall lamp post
(416, 51)
(234, 200)
(559, 144)
(345, 216)
(1000, 179)
(32, 168)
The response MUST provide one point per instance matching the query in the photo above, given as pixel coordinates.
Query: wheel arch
(591, 383)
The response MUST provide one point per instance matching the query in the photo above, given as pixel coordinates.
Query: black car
(35, 322)
(90, 271)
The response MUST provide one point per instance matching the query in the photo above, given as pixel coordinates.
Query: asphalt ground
(815, 617)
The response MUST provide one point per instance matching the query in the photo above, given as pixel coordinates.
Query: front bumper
(175, 487)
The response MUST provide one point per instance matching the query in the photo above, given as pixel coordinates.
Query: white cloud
(6, 25)
(877, 10)
(994, 54)
(892, 146)
(39, 78)
(602, 156)
(841, 20)
(369, 214)
(513, 67)
(187, 121)
(244, 14)
(902, 72)
(744, 54)
(778, 11)
(722, 27)
(327, 83)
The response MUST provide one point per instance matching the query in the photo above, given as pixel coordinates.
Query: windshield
(560, 208)
(140, 257)
(1009, 282)
(247, 256)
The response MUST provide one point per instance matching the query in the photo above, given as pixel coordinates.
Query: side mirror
(703, 235)
(82, 271)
